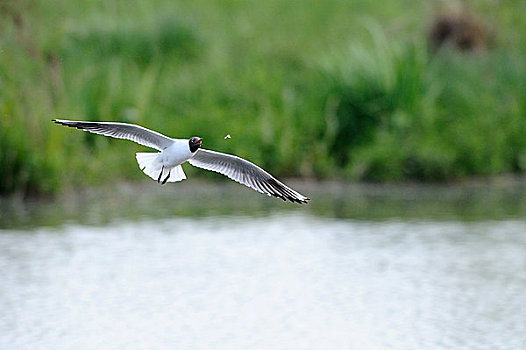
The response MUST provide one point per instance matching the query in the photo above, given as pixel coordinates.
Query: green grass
(402, 113)
(331, 89)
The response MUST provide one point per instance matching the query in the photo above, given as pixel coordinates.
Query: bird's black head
(195, 143)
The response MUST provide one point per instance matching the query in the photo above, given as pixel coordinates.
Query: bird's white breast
(177, 153)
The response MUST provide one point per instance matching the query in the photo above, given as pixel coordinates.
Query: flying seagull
(165, 166)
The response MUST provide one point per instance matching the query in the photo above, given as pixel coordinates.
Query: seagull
(165, 165)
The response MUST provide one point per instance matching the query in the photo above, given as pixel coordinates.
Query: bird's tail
(149, 163)
(152, 166)
(176, 174)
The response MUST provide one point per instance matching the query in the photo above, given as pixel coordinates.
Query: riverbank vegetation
(361, 90)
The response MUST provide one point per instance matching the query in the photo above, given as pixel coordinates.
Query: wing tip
(61, 121)
(284, 192)
(304, 200)
(299, 200)
(71, 124)
(294, 198)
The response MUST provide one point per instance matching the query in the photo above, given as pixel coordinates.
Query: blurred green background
(370, 90)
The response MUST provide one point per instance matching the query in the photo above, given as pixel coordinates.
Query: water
(361, 267)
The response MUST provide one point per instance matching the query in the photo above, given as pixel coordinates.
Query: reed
(314, 89)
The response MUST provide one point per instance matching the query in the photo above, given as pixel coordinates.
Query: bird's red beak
(200, 142)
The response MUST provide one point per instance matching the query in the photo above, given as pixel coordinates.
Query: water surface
(361, 267)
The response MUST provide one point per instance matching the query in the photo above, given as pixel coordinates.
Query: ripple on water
(288, 280)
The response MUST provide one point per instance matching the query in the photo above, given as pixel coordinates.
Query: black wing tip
(296, 199)
(292, 199)
(73, 124)
(283, 192)
(304, 201)
(300, 200)
(61, 122)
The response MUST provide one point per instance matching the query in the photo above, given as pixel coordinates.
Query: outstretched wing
(246, 173)
(125, 131)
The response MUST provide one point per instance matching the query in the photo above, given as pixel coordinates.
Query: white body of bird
(166, 165)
